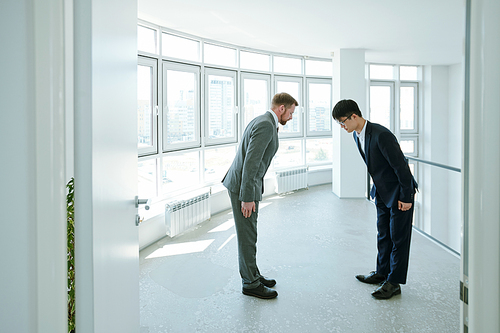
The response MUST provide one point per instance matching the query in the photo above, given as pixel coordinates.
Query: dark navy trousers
(393, 241)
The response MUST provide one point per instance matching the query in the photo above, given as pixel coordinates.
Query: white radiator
(291, 180)
(185, 214)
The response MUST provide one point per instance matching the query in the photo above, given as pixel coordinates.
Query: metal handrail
(434, 164)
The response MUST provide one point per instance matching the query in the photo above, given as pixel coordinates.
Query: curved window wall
(196, 96)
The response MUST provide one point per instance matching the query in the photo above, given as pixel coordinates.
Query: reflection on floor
(313, 244)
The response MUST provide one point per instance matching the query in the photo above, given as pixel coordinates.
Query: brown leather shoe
(372, 278)
(267, 282)
(387, 290)
(261, 292)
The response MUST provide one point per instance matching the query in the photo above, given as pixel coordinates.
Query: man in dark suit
(245, 183)
(393, 189)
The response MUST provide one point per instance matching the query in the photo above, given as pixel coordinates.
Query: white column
(349, 171)
(33, 238)
(482, 167)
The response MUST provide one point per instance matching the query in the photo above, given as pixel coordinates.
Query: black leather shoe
(267, 282)
(372, 278)
(261, 292)
(387, 290)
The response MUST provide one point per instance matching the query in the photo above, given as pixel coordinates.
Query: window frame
(307, 112)
(415, 129)
(228, 73)
(168, 65)
(392, 113)
(153, 63)
(299, 110)
(251, 76)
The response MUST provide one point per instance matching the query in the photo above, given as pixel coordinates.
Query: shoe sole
(259, 296)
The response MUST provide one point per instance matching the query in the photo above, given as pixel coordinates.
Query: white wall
(33, 237)
(17, 176)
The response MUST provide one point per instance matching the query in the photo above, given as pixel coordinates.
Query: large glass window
(195, 98)
(181, 111)
(319, 68)
(319, 107)
(381, 103)
(381, 72)
(287, 65)
(146, 39)
(180, 171)
(219, 55)
(255, 96)
(220, 99)
(408, 73)
(255, 61)
(319, 151)
(147, 179)
(407, 107)
(289, 154)
(293, 86)
(393, 100)
(180, 47)
(146, 106)
(217, 162)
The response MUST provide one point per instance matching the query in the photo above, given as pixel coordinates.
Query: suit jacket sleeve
(391, 150)
(260, 137)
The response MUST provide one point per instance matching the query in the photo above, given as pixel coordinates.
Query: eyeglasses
(341, 123)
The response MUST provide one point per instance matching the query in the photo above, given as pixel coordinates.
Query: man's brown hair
(284, 99)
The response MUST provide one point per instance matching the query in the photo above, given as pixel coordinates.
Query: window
(319, 68)
(217, 162)
(220, 100)
(180, 171)
(180, 47)
(255, 61)
(381, 103)
(146, 39)
(181, 113)
(381, 72)
(319, 151)
(319, 107)
(287, 65)
(407, 107)
(147, 179)
(293, 86)
(289, 154)
(195, 98)
(146, 106)
(409, 145)
(255, 96)
(408, 73)
(219, 55)
(393, 100)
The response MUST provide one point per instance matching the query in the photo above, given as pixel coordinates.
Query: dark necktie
(360, 150)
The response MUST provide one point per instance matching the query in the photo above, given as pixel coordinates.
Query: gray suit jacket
(257, 148)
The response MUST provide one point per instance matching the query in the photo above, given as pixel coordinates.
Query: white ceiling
(412, 32)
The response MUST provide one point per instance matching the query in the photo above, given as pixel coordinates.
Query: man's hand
(404, 206)
(247, 208)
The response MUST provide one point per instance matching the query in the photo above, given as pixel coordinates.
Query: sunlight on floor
(223, 227)
(181, 248)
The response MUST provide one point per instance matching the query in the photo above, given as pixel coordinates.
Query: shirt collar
(363, 131)
(274, 116)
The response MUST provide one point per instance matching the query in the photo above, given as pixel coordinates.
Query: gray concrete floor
(313, 244)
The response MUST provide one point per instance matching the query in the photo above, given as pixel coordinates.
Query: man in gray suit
(245, 183)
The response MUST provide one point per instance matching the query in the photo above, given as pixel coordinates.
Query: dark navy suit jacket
(387, 166)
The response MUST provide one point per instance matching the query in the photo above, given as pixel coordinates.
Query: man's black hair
(345, 108)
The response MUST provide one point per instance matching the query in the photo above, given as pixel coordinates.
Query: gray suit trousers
(246, 233)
